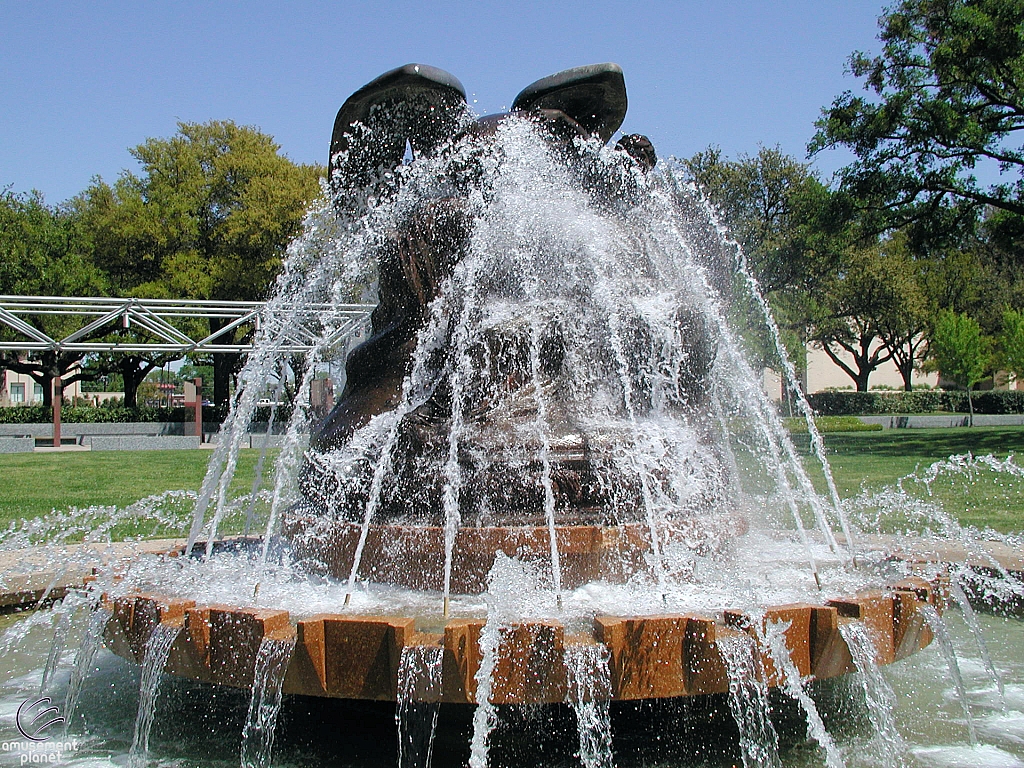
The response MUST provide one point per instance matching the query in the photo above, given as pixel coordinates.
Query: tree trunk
(223, 365)
(223, 370)
(133, 370)
(970, 408)
(131, 376)
(46, 382)
(907, 372)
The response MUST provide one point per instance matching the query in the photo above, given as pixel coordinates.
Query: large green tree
(1010, 345)
(874, 307)
(937, 136)
(777, 210)
(208, 216)
(44, 252)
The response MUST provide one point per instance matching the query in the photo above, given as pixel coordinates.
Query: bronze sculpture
(422, 110)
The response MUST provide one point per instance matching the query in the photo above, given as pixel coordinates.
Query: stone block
(798, 618)
(354, 657)
(911, 631)
(530, 664)
(17, 444)
(703, 665)
(461, 659)
(134, 617)
(830, 656)
(223, 641)
(875, 609)
(413, 556)
(141, 442)
(646, 655)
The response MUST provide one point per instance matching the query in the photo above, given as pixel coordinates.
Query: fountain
(551, 478)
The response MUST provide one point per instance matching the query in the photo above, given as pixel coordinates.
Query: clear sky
(81, 82)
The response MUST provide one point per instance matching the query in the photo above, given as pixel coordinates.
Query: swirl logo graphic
(33, 720)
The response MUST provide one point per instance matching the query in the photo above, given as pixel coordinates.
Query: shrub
(113, 413)
(926, 401)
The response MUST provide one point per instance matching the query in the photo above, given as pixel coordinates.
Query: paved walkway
(980, 554)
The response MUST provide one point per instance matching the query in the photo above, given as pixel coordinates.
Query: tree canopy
(938, 133)
(43, 252)
(209, 216)
(959, 351)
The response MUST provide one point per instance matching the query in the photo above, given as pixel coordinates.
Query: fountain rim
(670, 655)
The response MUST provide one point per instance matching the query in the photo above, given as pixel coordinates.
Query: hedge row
(84, 414)
(928, 401)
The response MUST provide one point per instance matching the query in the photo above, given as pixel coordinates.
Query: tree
(777, 210)
(209, 217)
(1010, 344)
(43, 251)
(790, 227)
(959, 351)
(902, 310)
(874, 307)
(946, 96)
(847, 315)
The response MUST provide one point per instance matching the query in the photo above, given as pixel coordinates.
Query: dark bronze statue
(423, 109)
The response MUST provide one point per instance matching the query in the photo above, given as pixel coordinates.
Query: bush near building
(931, 401)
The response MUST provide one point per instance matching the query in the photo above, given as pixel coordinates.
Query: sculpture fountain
(551, 478)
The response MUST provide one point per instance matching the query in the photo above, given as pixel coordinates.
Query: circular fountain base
(412, 556)
(650, 656)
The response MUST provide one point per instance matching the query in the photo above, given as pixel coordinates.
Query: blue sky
(83, 81)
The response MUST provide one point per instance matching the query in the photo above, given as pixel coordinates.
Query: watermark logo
(33, 719)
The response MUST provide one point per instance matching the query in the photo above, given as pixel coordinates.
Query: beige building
(823, 374)
(22, 389)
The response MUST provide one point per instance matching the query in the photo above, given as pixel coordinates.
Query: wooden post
(58, 400)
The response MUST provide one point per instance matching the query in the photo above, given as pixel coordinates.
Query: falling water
(979, 638)
(158, 648)
(878, 694)
(65, 614)
(590, 689)
(261, 720)
(485, 717)
(775, 640)
(545, 251)
(938, 627)
(257, 480)
(84, 660)
(748, 702)
(611, 274)
(419, 695)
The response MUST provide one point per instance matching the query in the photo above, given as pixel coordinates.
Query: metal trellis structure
(155, 319)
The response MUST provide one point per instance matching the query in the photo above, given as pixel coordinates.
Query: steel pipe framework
(155, 319)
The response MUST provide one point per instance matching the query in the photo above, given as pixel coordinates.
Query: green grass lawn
(872, 460)
(34, 484)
